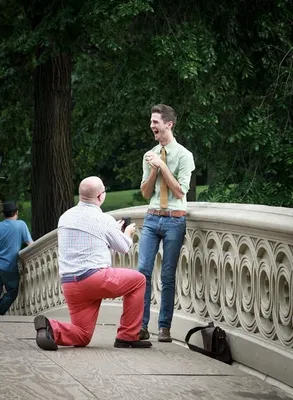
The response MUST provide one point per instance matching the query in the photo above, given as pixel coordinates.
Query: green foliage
(33, 32)
(226, 67)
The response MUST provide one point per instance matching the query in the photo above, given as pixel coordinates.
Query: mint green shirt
(180, 162)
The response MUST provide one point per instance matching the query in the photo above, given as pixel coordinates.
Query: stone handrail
(235, 268)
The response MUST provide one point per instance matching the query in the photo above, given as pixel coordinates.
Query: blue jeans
(10, 280)
(171, 231)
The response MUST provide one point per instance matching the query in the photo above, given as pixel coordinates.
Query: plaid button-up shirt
(85, 237)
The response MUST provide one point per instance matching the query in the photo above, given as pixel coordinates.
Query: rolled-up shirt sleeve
(186, 166)
(146, 170)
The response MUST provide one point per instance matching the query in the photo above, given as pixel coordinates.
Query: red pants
(84, 300)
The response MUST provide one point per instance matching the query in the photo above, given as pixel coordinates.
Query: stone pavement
(167, 371)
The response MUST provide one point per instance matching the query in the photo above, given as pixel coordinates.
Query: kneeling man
(85, 238)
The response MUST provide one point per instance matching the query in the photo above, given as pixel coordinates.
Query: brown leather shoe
(144, 334)
(164, 335)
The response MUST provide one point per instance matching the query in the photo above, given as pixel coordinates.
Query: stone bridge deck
(99, 371)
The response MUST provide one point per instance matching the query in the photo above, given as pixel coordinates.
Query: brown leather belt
(167, 213)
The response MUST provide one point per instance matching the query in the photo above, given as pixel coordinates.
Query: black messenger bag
(214, 342)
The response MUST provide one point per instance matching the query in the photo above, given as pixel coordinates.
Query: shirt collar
(84, 204)
(169, 146)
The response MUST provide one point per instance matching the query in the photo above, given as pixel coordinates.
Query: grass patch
(114, 201)
(25, 213)
(121, 199)
(128, 198)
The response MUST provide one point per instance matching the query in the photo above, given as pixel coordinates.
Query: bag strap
(199, 349)
(196, 329)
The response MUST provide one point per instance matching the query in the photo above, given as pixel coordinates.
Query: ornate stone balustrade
(40, 284)
(235, 268)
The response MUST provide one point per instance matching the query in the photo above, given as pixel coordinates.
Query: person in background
(13, 234)
(86, 236)
(166, 178)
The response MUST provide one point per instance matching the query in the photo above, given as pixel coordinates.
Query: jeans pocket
(148, 217)
(179, 221)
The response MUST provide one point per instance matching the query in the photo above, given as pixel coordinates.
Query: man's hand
(130, 229)
(153, 159)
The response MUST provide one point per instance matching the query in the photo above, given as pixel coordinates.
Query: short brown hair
(167, 113)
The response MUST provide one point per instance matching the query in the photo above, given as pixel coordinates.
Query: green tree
(225, 67)
(47, 36)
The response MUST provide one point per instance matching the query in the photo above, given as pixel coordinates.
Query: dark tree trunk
(191, 195)
(52, 181)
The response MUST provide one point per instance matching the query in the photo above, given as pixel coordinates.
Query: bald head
(90, 188)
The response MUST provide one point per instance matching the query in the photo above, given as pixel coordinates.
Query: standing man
(85, 238)
(13, 233)
(166, 177)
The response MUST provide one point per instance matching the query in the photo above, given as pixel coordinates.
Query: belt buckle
(160, 213)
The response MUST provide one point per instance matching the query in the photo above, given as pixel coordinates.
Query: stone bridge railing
(235, 268)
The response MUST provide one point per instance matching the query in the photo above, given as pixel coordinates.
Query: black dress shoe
(144, 334)
(45, 337)
(164, 335)
(135, 344)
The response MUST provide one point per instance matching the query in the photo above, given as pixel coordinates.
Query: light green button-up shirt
(180, 162)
